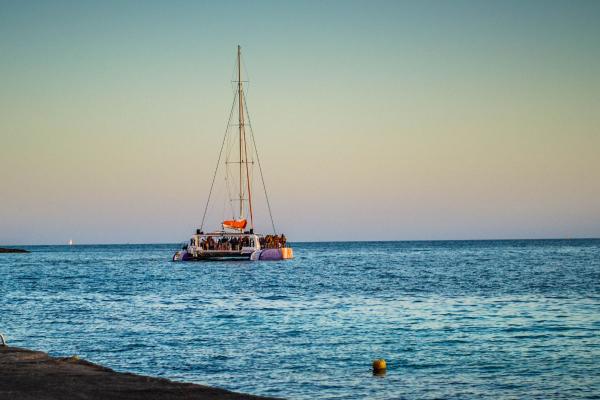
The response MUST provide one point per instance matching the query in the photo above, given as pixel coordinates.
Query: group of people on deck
(273, 241)
(225, 243)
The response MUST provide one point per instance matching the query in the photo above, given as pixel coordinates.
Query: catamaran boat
(236, 238)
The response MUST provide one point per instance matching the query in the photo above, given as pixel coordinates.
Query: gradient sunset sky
(375, 120)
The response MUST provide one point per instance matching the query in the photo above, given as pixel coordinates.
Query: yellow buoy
(379, 365)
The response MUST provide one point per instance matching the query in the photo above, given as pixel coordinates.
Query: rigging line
(217, 167)
(260, 168)
(245, 71)
(224, 206)
(246, 162)
(228, 148)
(229, 198)
(234, 75)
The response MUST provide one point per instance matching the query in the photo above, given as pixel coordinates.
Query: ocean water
(454, 320)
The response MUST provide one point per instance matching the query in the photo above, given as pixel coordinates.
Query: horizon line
(317, 241)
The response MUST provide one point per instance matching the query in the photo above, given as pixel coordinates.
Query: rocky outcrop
(28, 375)
(12, 250)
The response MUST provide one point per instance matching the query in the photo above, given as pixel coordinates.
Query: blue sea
(454, 319)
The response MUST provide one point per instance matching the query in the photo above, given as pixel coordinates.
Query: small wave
(226, 316)
(275, 297)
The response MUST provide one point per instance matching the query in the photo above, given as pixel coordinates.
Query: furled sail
(235, 224)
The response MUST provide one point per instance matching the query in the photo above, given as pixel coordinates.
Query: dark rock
(26, 374)
(12, 250)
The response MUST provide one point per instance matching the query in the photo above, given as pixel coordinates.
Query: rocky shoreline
(34, 375)
(12, 250)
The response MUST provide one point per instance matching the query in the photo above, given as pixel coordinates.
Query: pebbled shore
(34, 375)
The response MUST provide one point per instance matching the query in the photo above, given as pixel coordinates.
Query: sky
(375, 120)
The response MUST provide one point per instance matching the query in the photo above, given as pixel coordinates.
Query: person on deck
(283, 240)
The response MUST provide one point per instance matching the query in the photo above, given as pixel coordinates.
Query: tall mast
(242, 140)
(241, 127)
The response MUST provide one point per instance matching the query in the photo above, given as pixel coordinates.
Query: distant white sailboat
(70, 242)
